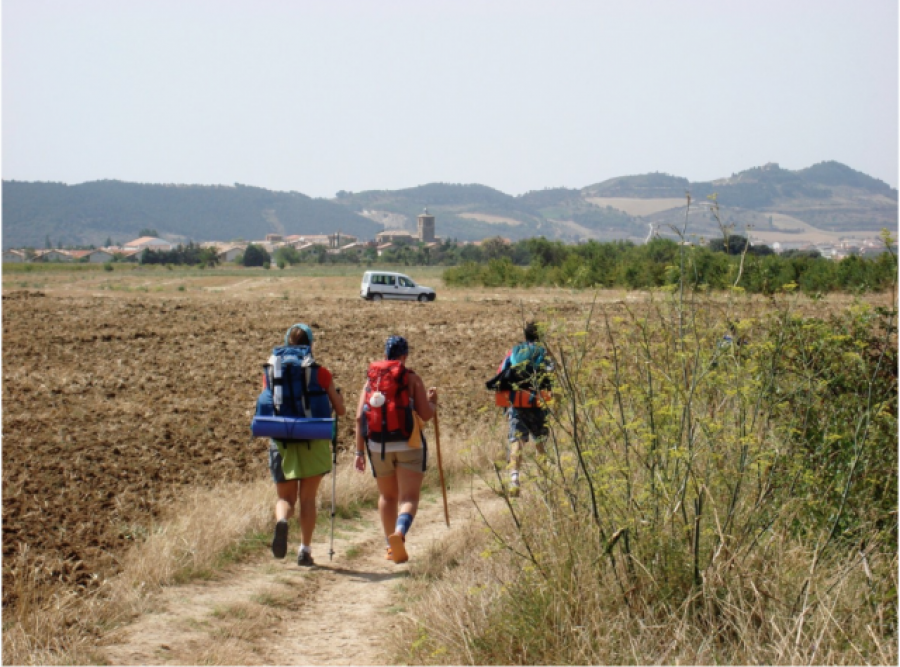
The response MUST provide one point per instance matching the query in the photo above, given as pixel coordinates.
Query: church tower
(426, 227)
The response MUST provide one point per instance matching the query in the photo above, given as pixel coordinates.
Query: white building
(13, 256)
(146, 242)
(230, 253)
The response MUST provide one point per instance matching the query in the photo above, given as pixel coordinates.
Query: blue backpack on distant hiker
(524, 378)
(292, 405)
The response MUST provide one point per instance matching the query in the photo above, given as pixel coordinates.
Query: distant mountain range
(828, 199)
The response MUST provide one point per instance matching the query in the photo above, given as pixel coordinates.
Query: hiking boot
(389, 554)
(305, 559)
(398, 548)
(279, 542)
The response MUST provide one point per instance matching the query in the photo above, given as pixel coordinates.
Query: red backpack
(390, 419)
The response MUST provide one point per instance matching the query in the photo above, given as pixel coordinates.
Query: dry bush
(700, 503)
(476, 603)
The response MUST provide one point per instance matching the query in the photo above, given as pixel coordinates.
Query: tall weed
(720, 486)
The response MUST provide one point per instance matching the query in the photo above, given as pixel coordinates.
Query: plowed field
(114, 401)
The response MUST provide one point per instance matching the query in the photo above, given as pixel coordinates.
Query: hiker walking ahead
(393, 407)
(297, 466)
(523, 384)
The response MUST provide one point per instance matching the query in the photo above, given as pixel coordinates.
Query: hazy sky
(318, 96)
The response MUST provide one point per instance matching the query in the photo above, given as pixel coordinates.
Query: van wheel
(376, 297)
(423, 298)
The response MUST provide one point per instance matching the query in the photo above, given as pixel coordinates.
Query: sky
(519, 95)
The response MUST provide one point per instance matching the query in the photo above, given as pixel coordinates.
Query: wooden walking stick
(333, 478)
(437, 441)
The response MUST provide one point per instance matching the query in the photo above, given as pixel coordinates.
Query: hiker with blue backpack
(522, 387)
(295, 408)
(393, 407)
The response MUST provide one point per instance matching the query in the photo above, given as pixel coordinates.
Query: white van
(378, 285)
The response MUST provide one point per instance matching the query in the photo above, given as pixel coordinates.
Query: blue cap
(309, 336)
(395, 347)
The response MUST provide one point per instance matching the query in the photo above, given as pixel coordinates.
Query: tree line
(664, 262)
(536, 262)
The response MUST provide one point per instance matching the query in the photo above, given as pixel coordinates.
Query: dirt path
(271, 612)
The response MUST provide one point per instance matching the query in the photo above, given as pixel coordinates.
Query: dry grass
(199, 534)
(470, 609)
(60, 628)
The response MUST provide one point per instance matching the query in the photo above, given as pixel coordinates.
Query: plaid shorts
(527, 421)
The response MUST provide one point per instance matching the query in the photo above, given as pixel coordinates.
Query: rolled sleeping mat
(293, 428)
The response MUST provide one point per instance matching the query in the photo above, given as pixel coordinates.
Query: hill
(91, 213)
(828, 199)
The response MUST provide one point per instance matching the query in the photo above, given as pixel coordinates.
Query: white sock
(305, 548)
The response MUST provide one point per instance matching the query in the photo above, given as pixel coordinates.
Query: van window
(406, 282)
(389, 280)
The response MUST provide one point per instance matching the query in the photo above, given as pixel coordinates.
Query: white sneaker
(514, 485)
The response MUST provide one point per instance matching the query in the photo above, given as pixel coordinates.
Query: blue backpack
(530, 354)
(292, 405)
(527, 369)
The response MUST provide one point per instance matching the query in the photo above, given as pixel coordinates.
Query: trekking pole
(333, 480)
(437, 442)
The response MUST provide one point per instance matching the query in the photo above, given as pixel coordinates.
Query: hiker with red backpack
(522, 387)
(302, 394)
(393, 407)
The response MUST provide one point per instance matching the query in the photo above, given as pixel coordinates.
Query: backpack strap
(305, 380)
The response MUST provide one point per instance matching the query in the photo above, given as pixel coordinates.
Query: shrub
(705, 498)
(256, 255)
(465, 275)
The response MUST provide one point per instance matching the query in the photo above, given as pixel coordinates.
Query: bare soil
(114, 401)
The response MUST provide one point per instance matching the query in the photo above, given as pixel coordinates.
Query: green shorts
(299, 460)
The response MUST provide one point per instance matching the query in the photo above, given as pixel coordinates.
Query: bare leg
(410, 486)
(515, 453)
(284, 509)
(309, 487)
(388, 502)
(287, 498)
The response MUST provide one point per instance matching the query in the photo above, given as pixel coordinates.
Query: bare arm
(337, 401)
(360, 442)
(360, 462)
(425, 401)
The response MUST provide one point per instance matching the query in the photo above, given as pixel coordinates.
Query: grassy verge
(706, 499)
